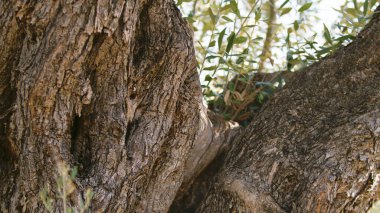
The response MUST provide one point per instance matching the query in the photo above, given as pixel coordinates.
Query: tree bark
(111, 86)
(315, 147)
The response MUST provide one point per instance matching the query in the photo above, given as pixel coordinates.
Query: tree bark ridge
(314, 147)
(111, 87)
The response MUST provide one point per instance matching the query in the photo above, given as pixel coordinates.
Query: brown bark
(315, 147)
(112, 87)
(109, 86)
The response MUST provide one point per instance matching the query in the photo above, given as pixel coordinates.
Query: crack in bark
(142, 38)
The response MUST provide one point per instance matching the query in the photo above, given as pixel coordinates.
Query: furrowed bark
(213, 139)
(111, 87)
(315, 146)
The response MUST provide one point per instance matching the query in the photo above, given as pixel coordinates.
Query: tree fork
(314, 147)
(113, 88)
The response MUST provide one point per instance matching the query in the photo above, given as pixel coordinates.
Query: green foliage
(65, 187)
(238, 41)
(305, 7)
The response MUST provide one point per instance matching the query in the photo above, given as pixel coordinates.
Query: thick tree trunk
(112, 86)
(109, 86)
(315, 147)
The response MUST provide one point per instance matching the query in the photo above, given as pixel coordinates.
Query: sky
(326, 12)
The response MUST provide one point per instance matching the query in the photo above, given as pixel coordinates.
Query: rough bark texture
(111, 86)
(315, 147)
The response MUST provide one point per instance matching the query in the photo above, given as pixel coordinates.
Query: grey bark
(112, 87)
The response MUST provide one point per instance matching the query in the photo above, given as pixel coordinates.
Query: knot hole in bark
(131, 127)
(80, 147)
(141, 46)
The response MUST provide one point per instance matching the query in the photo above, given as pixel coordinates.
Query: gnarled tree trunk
(315, 147)
(111, 86)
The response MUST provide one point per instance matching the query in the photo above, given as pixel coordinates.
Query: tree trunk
(315, 147)
(111, 86)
